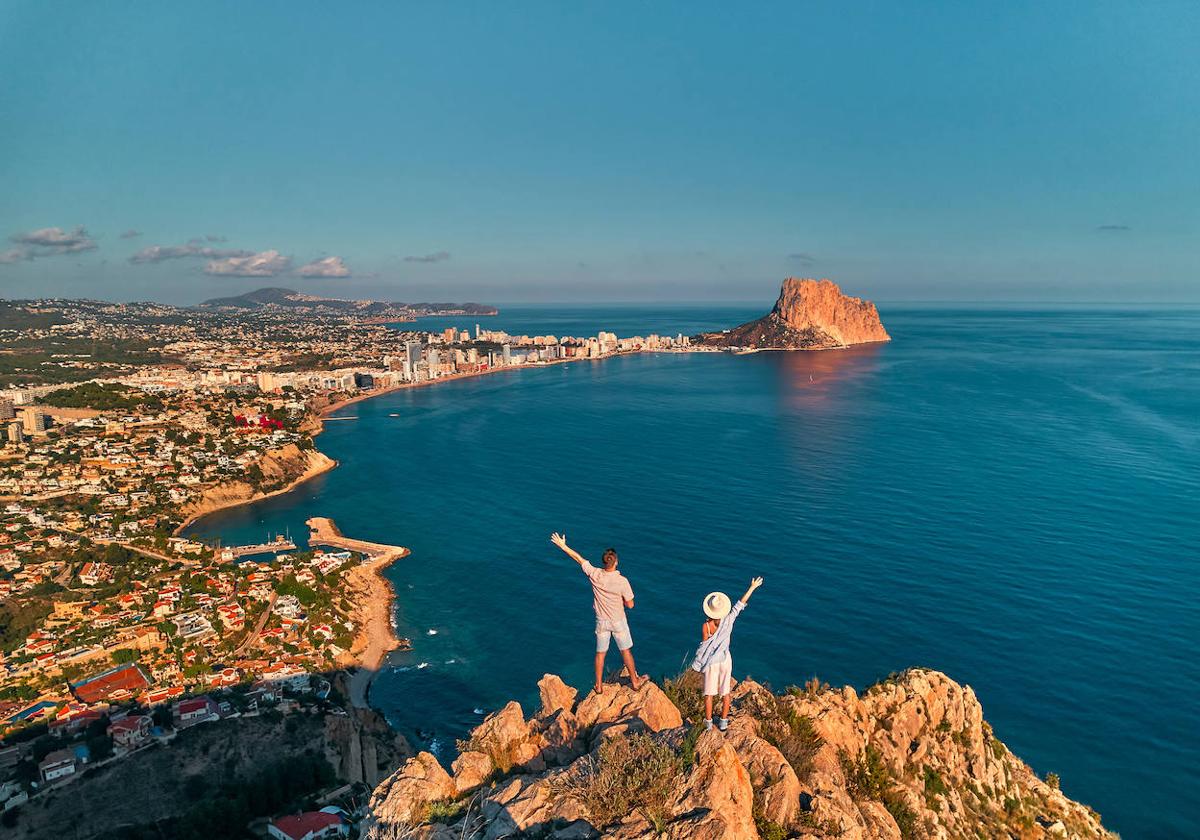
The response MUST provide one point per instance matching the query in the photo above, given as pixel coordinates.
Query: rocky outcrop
(809, 315)
(361, 746)
(404, 797)
(911, 757)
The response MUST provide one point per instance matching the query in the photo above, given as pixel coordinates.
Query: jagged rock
(578, 830)
(507, 742)
(936, 769)
(560, 735)
(555, 695)
(471, 769)
(718, 800)
(402, 797)
(355, 743)
(516, 808)
(809, 315)
(775, 781)
(623, 710)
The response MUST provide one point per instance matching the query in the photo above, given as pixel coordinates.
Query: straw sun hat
(716, 605)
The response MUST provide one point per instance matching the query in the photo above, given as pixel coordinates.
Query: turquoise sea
(1010, 495)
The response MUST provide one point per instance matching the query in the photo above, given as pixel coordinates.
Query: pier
(323, 531)
(280, 543)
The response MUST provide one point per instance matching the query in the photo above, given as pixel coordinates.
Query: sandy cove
(233, 493)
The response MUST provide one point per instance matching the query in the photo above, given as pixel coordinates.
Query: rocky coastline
(910, 757)
(371, 596)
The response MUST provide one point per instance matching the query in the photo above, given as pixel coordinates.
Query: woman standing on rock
(713, 659)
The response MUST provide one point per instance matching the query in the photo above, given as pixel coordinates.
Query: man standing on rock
(611, 596)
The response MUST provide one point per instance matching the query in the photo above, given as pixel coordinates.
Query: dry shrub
(634, 773)
(788, 731)
(685, 690)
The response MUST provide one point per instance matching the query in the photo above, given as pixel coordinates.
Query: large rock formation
(809, 315)
(911, 757)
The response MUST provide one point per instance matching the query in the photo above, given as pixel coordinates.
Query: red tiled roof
(132, 723)
(298, 825)
(127, 678)
(193, 705)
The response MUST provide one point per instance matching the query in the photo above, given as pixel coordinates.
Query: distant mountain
(274, 296)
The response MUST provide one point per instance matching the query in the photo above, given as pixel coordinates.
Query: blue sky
(573, 151)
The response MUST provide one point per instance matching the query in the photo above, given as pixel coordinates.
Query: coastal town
(124, 423)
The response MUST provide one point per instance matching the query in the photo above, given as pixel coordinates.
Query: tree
(99, 747)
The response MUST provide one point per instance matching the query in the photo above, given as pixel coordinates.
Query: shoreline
(370, 590)
(325, 465)
(373, 599)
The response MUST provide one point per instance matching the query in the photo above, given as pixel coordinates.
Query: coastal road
(258, 627)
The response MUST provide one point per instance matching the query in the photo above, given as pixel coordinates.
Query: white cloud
(327, 267)
(158, 253)
(15, 255)
(264, 264)
(47, 242)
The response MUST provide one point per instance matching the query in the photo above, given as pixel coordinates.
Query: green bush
(768, 829)
(868, 777)
(445, 810)
(934, 786)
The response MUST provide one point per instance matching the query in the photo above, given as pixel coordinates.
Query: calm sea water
(1008, 496)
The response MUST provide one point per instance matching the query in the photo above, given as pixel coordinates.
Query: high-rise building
(413, 349)
(16, 433)
(506, 350)
(33, 420)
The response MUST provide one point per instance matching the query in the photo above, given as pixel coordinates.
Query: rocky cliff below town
(283, 469)
(809, 315)
(163, 789)
(910, 757)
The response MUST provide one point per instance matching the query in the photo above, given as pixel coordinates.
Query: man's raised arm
(561, 541)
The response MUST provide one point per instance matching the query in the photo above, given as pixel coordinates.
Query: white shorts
(612, 629)
(718, 676)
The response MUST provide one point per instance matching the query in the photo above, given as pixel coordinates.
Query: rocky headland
(910, 757)
(809, 315)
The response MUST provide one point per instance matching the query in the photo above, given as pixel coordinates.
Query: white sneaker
(722, 724)
(708, 724)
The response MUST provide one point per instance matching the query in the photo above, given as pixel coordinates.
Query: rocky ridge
(911, 757)
(809, 315)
